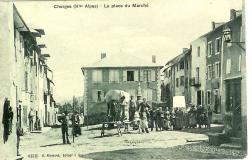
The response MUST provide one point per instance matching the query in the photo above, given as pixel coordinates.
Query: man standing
(143, 111)
(64, 128)
(132, 108)
(30, 117)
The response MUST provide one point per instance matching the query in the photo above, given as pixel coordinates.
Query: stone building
(20, 67)
(198, 71)
(177, 78)
(233, 71)
(119, 72)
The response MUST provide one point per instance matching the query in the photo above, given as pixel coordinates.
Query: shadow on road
(50, 145)
(216, 129)
(178, 152)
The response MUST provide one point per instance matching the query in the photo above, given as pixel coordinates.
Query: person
(37, 123)
(192, 117)
(138, 101)
(179, 119)
(64, 127)
(167, 123)
(111, 112)
(143, 112)
(30, 117)
(209, 116)
(153, 118)
(160, 118)
(132, 108)
(125, 110)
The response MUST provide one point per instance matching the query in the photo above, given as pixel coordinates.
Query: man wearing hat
(64, 127)
(132, 108)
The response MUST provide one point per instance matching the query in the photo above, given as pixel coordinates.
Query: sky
(77, 37)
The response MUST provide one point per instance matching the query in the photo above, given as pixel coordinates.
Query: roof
(220, 26)
(177, 58)
(122, 60)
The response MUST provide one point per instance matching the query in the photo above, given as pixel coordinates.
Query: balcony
(195, 81)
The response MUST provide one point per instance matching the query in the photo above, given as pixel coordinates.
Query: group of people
(76, 123)
(33, 126)
(143, 115)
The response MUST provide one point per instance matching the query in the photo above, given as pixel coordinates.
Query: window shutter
(136, 76)
(111, 75)
(124, 75)
(102, 95)
(141, 75)
(94, 95)
(116, 75)
(153, 75)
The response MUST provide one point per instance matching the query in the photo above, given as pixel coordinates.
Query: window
(208, 97)
(209, 49)
(197, 75)
(177, 82)
(169, 73)
(130, 75)
(97, 76)
(26, 81)
(97, 95)
(113, 76)
(182, 80)
(239, 63)
(181, 65)
(147, 75)
(218, 45)
(228, 66)
(198, 51)
(177, 67)
(217, 69)
(209, 71)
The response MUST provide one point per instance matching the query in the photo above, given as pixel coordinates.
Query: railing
(195, 81)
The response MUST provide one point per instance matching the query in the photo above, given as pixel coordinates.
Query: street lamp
(227, 35)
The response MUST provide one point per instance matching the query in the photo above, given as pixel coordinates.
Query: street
(131, 145)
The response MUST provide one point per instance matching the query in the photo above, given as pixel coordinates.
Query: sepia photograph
(123, 79)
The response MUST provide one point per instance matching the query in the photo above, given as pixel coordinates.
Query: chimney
(213, 25)
(103, 55)
(153, 59)
(185, 49)
(232, 14)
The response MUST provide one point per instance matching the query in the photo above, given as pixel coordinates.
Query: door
(237, 105)
(199, 102)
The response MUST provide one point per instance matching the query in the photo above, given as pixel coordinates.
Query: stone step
(231, 146)
(235, 140)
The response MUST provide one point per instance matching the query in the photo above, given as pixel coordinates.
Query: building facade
(22, 67)
(119, 72)
(216, 72)
(198, 71)
(177, 75)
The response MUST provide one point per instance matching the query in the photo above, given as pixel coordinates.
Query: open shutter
(141, 75)
(94, 95)
(153, 75)
(111, 76)
(136, 76)
(124, 75)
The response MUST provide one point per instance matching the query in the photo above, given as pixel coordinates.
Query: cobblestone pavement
(131, 145)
